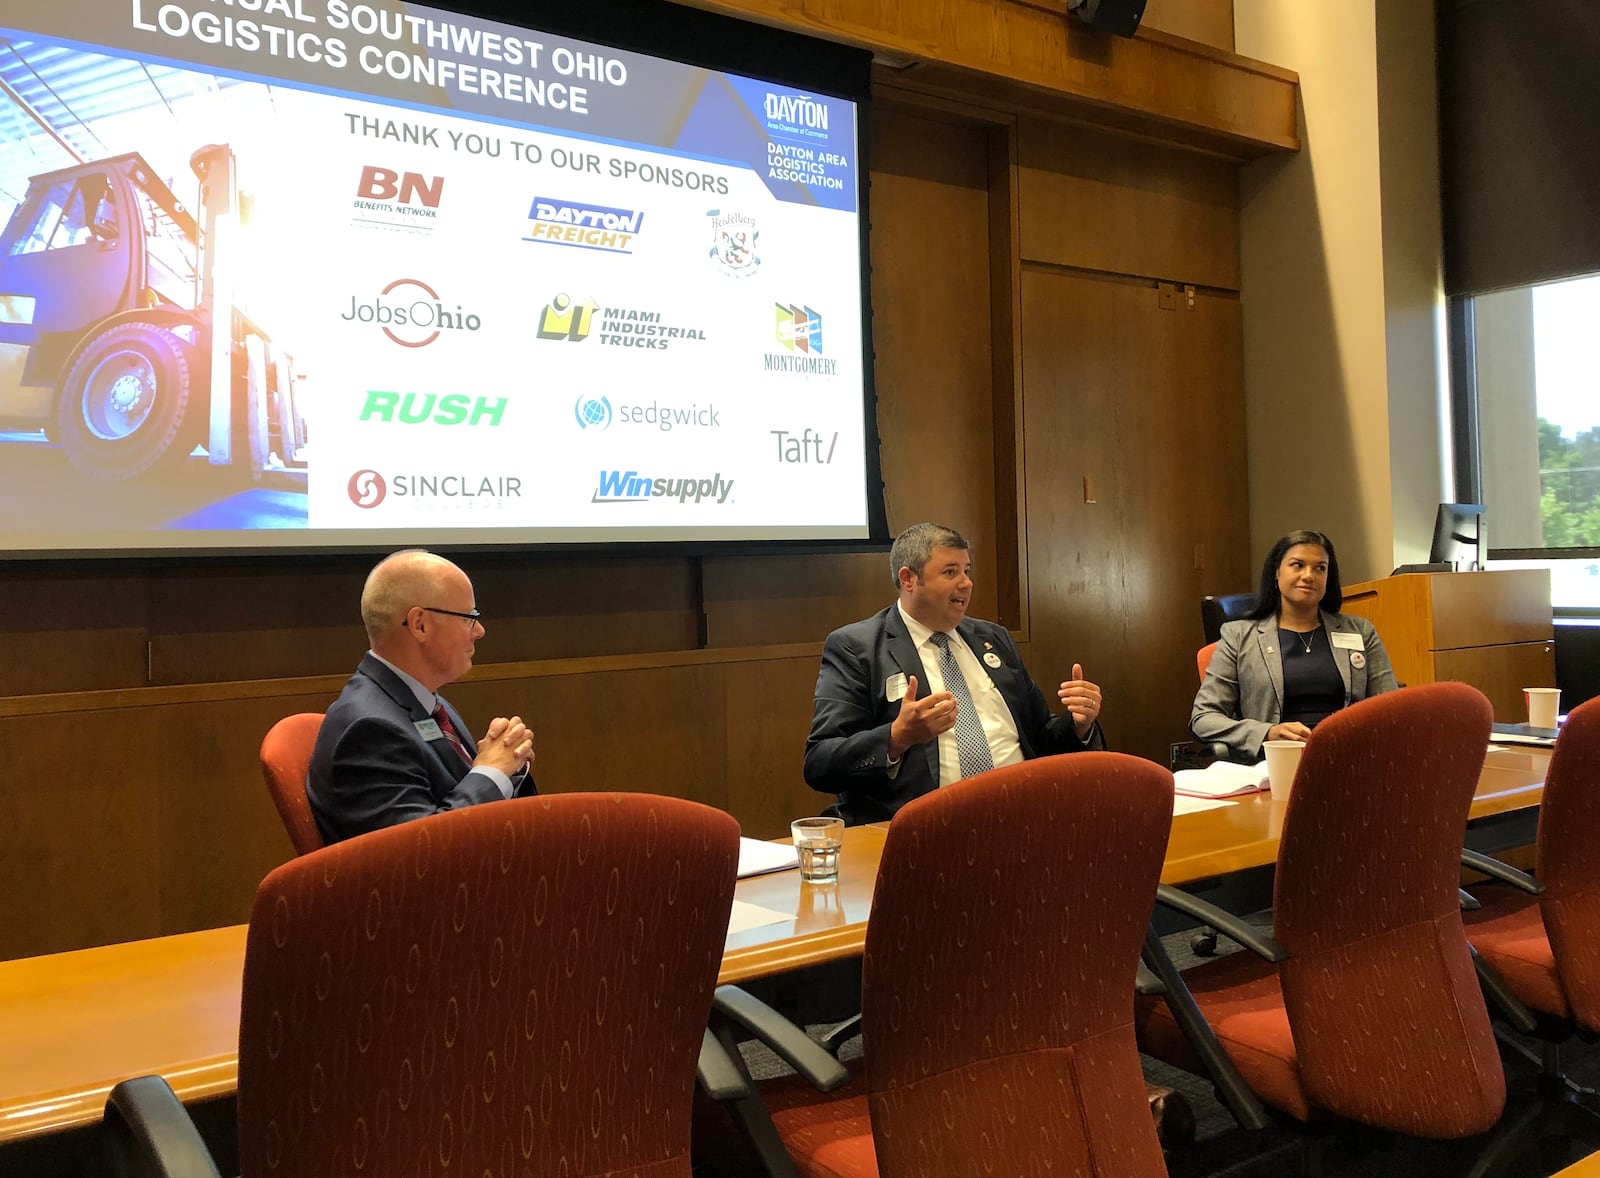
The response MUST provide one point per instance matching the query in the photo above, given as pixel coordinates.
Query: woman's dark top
(1312, 688)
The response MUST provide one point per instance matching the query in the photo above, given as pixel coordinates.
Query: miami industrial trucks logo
(733, 243)
(573, 320)
(583, 226)
(796, 116)
(799, 332)
(629, 486)
(411, 313)
(367, 489)
(406, 202)
(432, 408)
(596, 413)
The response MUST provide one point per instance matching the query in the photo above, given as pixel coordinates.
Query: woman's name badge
(991, 660)
(1358, 660)
(427, 729)
(1343, 641)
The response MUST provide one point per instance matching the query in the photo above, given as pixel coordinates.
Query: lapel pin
(992, 659)
(1358, 660)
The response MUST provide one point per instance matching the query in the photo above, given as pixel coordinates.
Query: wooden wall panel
(1097, 202)
(1208, 21)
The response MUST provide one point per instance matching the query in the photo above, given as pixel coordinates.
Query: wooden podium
(1491, 629)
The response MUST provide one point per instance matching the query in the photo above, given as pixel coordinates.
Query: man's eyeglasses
(472, 616)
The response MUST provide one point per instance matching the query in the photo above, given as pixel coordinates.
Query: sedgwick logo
(629, 486)
(407, 193)
(409, 319)
(594, 227)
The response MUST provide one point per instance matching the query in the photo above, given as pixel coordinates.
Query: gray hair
(913, 548)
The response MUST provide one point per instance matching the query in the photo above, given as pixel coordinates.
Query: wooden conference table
(74, 1024)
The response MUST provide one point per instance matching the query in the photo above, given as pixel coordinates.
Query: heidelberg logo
(388, 199)
(411, 313)
(367, 488)
(733, 243)
(594, 227)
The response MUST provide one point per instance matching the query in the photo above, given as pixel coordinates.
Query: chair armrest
(1469, 902)
(1252, 938)
(1503, 872)
(840, 1035)
(716, 1073)
(148, 1131)
(797, 1049)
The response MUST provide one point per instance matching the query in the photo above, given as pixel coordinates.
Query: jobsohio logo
(407, 317)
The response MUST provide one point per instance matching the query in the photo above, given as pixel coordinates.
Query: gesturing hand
(507, 746)
(920, 719)
(1082, 699)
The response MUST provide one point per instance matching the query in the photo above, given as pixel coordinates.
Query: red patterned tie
(449, 731)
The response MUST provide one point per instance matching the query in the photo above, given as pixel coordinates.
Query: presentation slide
(306, 273)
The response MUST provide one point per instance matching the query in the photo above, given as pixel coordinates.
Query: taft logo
(805, 448)
(411, 313)
(565, 319)
(594, 227)
(733, 243)
(367, 488)
(593, 413)
(417, 408)
(800, 329)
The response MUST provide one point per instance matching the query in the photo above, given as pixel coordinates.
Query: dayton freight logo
(593, 227)
(405, 201)
(796, 116)
(799, 331)
(411, 313)
(629, 486)
(417, 408)
(733, 243)
(565, 318)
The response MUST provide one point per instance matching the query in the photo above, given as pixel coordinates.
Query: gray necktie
(972, 746)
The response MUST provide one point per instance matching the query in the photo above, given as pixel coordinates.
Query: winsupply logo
(417, 408)
(799, 331)
(629, 486)
(565, 318)
(595, 413)
(797, 116)
(733, 243)
(805, 448)
(409, 319)
(593, 227)
(368, 488)
(407, 201)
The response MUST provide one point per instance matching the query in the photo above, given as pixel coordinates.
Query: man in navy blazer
(390, 749)
(889, 723)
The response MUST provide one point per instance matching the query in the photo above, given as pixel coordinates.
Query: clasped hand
(508, 746)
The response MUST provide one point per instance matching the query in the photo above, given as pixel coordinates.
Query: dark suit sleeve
(848, 749)
(378, 778)
(1048, 735)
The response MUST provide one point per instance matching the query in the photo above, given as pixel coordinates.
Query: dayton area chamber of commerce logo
(367, 488)
(733, 243)
(593, 413)
(411, 313)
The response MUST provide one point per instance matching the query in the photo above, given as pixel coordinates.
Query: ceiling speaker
(1113, 16)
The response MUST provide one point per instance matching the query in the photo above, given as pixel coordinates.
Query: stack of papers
(758, 858)
(1221, 779)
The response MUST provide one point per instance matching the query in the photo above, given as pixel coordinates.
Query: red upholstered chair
(512, 989)
(1543, 938)
(285, 757)
(1203, 658)
(997, 985)
(1372, 1011)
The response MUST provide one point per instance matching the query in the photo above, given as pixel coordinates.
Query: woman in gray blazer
(1295, 660)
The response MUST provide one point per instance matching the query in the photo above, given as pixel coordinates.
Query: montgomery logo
(411, 313)
(584, 226)
(733, 243)
(796, 115)
(800, 329)
(805, 448)
(417, 408)
(629, 486)
(563, 318)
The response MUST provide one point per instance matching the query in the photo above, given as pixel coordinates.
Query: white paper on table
(1187, 805)
(1221, 779)
(747, 916)
(758, 858)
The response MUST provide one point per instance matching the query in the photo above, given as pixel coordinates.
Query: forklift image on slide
(111, 301)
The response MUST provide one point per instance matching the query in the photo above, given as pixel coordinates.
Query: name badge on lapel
(894, 687)
(427, 729)
(1343, 641)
